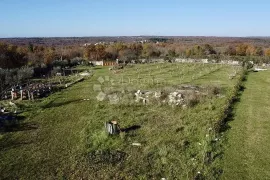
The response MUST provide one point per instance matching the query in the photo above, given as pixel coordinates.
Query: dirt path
(247, 153)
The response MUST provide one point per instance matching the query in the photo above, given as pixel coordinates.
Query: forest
(37, 54)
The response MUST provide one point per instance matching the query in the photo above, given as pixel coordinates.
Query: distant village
(111, 43)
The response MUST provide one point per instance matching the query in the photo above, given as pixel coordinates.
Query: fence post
(12, 95)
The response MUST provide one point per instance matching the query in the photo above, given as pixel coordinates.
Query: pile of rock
(173, 99)
(142, 96)
(145, 96)
(176, 99)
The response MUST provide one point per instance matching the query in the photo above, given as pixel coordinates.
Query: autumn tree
(230, 50)
(172, 53)
(37, 56)
(119, 46)
(259, 51)
(188, 52)
(70, 52)
(267, 52)
(11, 56)
(241, 49)
(100, 52)
(198, 51)
(95, 52)
(89, 52)
(111, 52)
(49, 56)
(34, 59)
(150, 51)
(136, 48)
(208, 49)
(127, 55)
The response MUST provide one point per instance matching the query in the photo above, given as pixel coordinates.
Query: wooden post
(29, 96)
(32, 96)
(21, 91)
(112, 127)
(12, 98)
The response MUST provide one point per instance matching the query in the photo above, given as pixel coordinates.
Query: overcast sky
(46, 18)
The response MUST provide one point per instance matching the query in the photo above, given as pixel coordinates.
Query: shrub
(192, 99)
(213, 90)
(11, 77)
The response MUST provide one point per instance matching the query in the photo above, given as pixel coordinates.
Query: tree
(127, 55)
(100, 52)
(96, 52)
(188, 53)
(11, 77)
(11, 56)
(267, 52)
(24, 73)
(89, 52)
(49, 56)
(198, 51)
(251, 50)
(136, 48)
(208, 49)
(30, 47)
(111, 52)
(241, 49)
(231, 51)
(120, 46)
(171, 53)
(254, 51)
(150, 51)
(259, 51)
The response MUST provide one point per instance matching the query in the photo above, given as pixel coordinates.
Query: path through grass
(247, 154)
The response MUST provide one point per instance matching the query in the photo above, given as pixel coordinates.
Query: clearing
(62, 136)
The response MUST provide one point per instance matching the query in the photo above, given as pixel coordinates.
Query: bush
(76, 61)
(11, 77)
(60, 63)
(192, 99)
(213, 90)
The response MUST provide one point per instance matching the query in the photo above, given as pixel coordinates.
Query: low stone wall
(97, 63)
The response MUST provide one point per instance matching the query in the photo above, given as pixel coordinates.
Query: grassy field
(247, 153)
(63, 137)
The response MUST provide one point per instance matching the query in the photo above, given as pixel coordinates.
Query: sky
(79, 18)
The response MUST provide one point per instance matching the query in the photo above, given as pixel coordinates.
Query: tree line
(12, 56)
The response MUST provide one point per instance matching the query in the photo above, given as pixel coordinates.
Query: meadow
(63, 136)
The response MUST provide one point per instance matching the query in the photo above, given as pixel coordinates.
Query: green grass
(63, 136)
(247, 153)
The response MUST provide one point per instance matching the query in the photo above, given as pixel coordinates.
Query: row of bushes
(69, 63)
(214, 149)
(231, 100)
